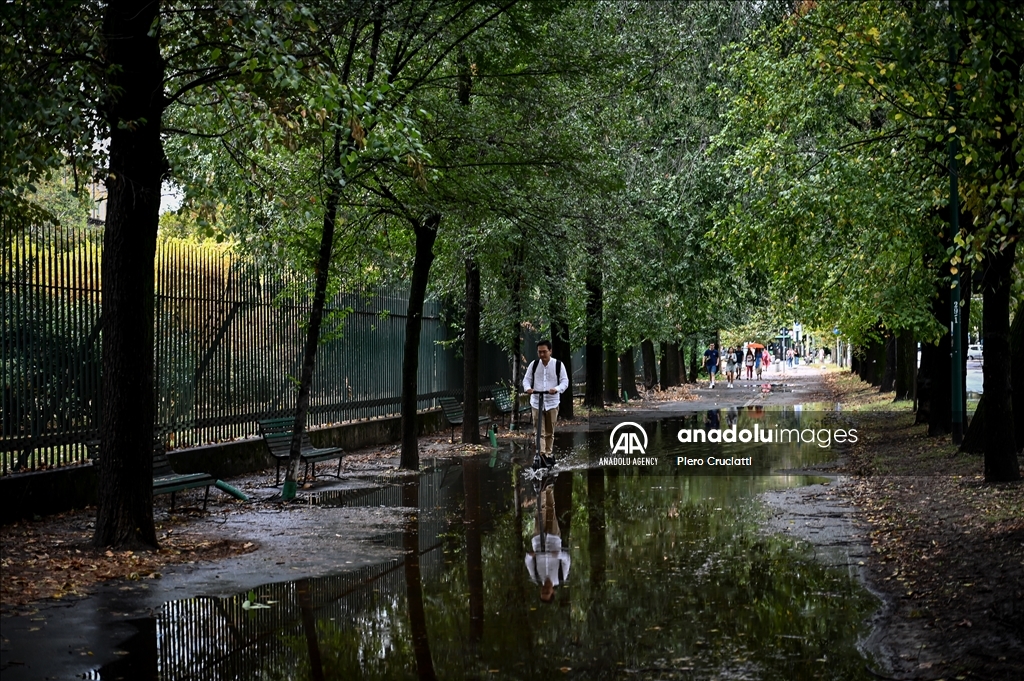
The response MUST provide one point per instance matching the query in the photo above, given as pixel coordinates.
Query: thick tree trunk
(681, 363)
(888, 383)
(974, 436)
(650, 360)
(666, 380)
(929, 361)
(124, 516)
(471, 356)
(426, 233)
(316, 317)
(611, 376)
(875, 362)
(906, 365)
(627, 373)
(562, 350)
(594, 396)
(1000, 448)
(694, 361)
(940, 379)
(1017, 373)
(672, 363)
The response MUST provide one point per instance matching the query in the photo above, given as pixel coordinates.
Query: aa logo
(628, 440)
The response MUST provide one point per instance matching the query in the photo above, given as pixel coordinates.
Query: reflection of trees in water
(663, 570)
(474, 556)
(414, 584)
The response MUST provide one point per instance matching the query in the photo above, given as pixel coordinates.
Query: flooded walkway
(592, 572)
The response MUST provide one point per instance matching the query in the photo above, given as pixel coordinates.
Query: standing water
(591, 572)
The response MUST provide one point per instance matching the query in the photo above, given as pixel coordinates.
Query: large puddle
(591, 573)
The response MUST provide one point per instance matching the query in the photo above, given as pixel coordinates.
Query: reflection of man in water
(547, 563)
(712, 420)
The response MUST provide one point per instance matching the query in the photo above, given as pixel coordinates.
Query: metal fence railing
(229, 332)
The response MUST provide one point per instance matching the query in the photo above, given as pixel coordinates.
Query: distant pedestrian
(789, 358)
(711, 362)
(766, 358)
(757, 362)
(748, 362)
(730, 366)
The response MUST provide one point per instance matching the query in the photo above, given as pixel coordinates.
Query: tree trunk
(940, 380)
(562, 350)
(516, 331)
(124, 517)
(1000, 448)
(611, 360)
(627, 373)
(594, 396)
(666, 381)
(471, 356)
(681, 362)
(611, 376)
(1017, 373)
(672, 363)
(426, 233)
(888, 383)
(974, 435)
(906, 365)
(316, 317)
(875, 362)
(650, 360)
(694, 361)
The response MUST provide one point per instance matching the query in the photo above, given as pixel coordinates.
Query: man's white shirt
(546, 379)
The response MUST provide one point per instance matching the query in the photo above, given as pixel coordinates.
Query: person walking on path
(758, 353)
(711, 362)
(545, 376)
(730, 366)
(748, 362)
(766, 359)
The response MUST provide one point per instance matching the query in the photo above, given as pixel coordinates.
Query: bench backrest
(452, 409)
(278, 435)
(161, 464)
(502, 399)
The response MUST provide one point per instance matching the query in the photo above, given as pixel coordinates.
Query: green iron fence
(229, 331)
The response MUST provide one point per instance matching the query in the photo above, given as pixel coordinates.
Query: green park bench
(503, 403)
(166, 481)
(454, 415)
(277, 433)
